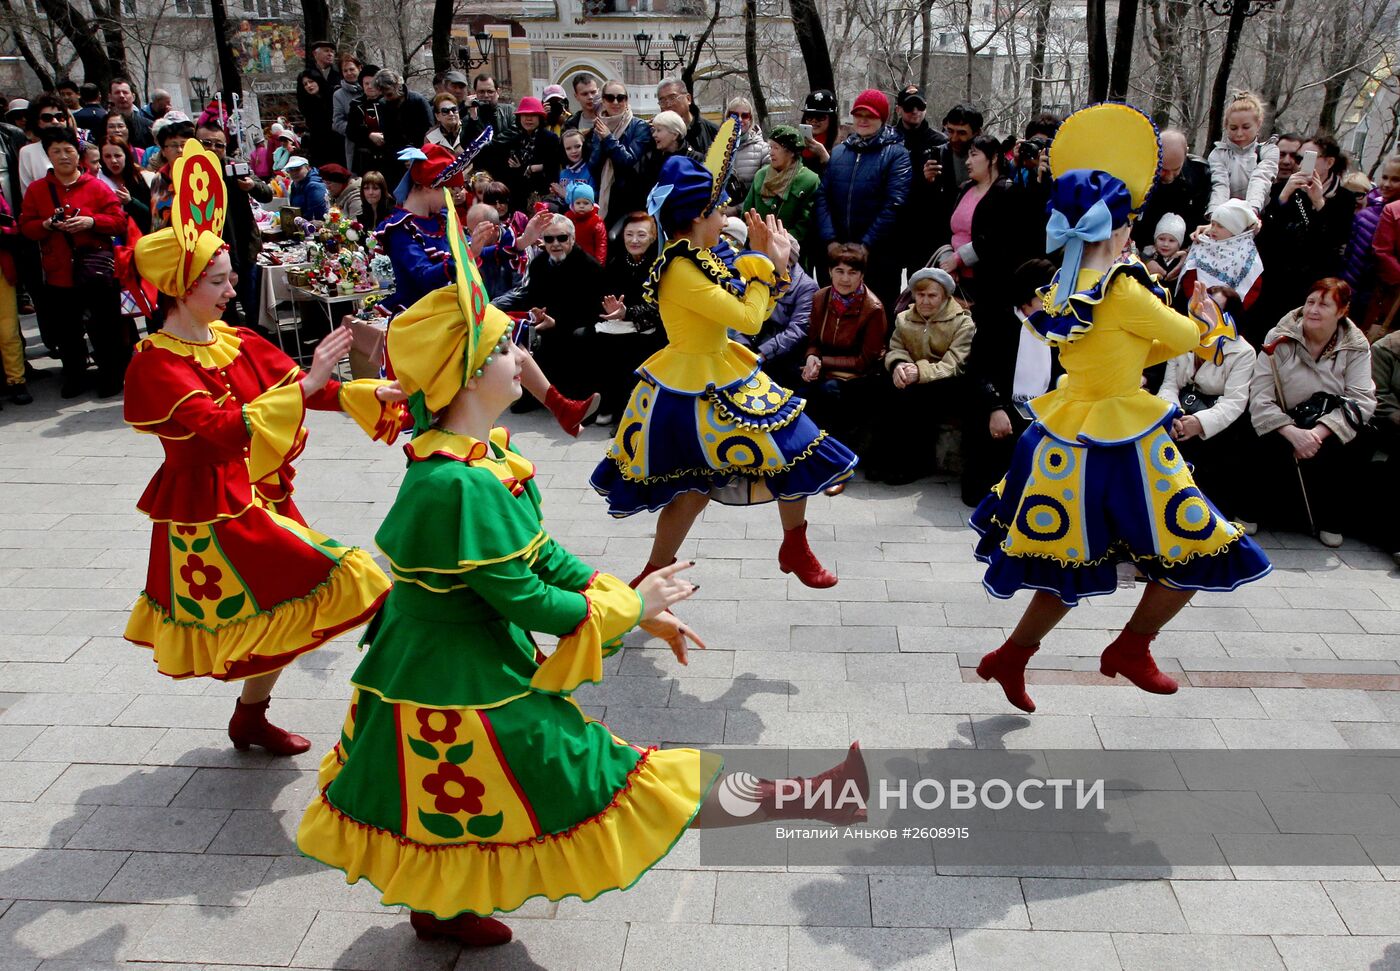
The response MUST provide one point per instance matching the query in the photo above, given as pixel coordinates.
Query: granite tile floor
(132, 836)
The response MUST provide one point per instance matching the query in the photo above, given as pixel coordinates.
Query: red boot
(1008, 665)
(796, 557)
(1129, 656)
(795, 807)
(647, 571)
(249, 726)
(569, 413)
(468, 930)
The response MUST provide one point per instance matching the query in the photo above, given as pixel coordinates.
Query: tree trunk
(1278, 59)
(760, 103)
(39, 66)
(1042, 31)
(1095, 17)
(688, 73)
(1168, 20)
(82, 34)
(232, 80)
(1220, 90)
(1334, 65)
(316, 15)
(107, 16)
(442, 34)
(1123, 50)
(925, 45)
(811, 38)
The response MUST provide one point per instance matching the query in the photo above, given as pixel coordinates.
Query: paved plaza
(133, 836)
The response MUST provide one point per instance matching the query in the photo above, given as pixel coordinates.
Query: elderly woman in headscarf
(785, 187)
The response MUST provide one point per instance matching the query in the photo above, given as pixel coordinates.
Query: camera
(237, 169)
(1028, 152)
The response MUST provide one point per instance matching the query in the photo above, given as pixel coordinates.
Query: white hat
(1235, 216)
(737, 230)
(17, 104)
(1171, 225)
(297, 162)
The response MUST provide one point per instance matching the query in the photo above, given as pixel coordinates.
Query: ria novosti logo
(740, 794)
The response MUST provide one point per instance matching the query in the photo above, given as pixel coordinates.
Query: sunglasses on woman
(447, 110)
(615, 98)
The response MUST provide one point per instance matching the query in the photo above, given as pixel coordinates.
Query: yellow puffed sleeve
(381, 420)
(274, 420)
(614, 608)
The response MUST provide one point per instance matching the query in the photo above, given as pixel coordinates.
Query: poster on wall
(269, 48)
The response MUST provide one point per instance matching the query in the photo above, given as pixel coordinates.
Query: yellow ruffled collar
(512, 469)
(217, 353)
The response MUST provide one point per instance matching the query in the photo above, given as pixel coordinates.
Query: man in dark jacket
(384, 125)
(1183, 187)
(671, 95)
(926, 202)
(863, 192)
(564, 288)
(123, 100)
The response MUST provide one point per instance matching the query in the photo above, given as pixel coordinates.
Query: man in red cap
(863, 193)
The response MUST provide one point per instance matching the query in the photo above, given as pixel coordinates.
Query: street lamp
(201, 91)
(680, 43)
(1238, 11)
(485, 43)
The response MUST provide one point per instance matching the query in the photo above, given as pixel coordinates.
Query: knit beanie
(941, 277)
(873, 101)
(1171, 225)
(579, 190)
(1236, 216)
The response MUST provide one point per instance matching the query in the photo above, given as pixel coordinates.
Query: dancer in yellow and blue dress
(705, 422)
(1096, 479)
(466, 779)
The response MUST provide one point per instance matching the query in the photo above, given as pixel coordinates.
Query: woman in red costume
(237, 584)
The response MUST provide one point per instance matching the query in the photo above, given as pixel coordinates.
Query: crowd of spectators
(920, 250)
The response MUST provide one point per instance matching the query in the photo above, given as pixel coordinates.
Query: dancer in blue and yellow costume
(1097, 479)
(466, 780)
(704, 421)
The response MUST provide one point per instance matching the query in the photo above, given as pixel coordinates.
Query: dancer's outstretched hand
(660, 590)
(669, 628)
(329, 351)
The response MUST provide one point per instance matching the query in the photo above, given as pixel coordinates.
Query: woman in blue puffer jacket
(1359, 268)
(863, 190)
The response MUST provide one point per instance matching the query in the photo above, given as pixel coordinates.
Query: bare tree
(1042, 32)
(811, 38)
(1123, 50)
(760, 103)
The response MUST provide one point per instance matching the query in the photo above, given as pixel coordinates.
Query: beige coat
(938, 347)
(1343, 370)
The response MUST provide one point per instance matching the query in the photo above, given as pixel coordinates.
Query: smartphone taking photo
(1309, 163)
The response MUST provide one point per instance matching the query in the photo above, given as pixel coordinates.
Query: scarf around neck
(775, 183)
(616, 125)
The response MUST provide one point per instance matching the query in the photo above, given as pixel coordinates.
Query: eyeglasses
(745, 115)
(49, 116)
(447, 110)
(666, 99)
(615, 98)
(213, 144)
(556, 239)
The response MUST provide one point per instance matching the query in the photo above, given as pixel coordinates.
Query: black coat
(928, 202)
(1005, 234)
(405, 123)
(570, 291)
(1188, 195)
(625, 279)
(539, 147)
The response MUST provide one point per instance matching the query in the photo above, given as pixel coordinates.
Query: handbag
(1307, 414)
(93, 266)
(1193, 400)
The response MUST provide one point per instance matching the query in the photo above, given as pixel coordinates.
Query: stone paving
(133, 836)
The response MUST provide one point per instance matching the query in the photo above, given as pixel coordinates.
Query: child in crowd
(1165, 258)
(575, 168)
(1242, 167)
(589, 232)
(1224, 254)
(927, 355)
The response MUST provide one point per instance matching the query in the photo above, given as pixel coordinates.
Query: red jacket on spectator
(849, 344)
(1386, 245)
(590, 233)
(91, 197)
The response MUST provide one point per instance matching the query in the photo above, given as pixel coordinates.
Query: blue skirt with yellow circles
(1066, 514)
(746, 443)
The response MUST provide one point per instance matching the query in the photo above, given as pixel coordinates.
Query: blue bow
(655, 200)
(1094, 226)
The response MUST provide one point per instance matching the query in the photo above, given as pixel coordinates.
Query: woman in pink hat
(532, 155)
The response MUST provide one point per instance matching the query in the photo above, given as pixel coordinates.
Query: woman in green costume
(466, 780)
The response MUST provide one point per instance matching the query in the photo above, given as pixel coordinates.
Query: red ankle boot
(1007, 664)
(569, 413)
(468, 930)
(249, 726)
(647, 571)
(1129, 656)
(797, 558)
(831, 808)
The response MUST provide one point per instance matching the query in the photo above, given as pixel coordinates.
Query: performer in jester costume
(238, 585)
(1096, 479)
(466, 780)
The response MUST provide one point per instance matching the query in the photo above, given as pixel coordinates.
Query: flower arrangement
(341, 254)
